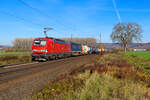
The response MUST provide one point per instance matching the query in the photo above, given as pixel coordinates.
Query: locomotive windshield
(40, 42)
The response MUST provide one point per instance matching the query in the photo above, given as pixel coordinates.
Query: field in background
(14, 53)
(7, 58)
(143, 54)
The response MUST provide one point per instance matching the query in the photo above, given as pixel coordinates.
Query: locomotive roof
(59, 40)
(50, 38)
(75, 43)
(55, 39)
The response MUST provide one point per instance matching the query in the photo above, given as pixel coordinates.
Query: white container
(85, 49)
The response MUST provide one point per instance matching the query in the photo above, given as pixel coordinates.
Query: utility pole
(71, 38)
(100, 42)
(100, 38)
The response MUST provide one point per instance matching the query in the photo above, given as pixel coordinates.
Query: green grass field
(143, 54)
(13, 53)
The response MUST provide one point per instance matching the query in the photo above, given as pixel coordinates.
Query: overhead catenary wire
(20, 18)
(45, 14)
(116, 10)
(33, 8)
(39, 11)
(25, 20)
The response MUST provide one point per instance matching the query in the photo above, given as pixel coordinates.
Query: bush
(106, 87)
(14, 59)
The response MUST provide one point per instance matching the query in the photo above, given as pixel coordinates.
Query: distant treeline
(25, 44)
(85, 41)
(22, 44)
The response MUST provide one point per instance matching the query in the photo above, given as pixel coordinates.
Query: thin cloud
(117, 12)
(125, 10)
(134, 10)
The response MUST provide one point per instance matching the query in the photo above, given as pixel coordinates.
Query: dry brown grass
(14, 59)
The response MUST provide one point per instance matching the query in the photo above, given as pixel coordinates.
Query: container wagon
(75, 49)
(85, 49)
(92, 50)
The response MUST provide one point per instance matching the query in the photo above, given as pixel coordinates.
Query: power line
(20, 18)
(42, 13)
(116, 10)
(39, 11)
(25, 20)
(33, 8)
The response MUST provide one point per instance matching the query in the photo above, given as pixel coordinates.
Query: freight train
(51, 48)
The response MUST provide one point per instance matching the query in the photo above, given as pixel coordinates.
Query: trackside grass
(110, 77)
(139, 59)
(14, 53)
(14, 59)
(143, 54)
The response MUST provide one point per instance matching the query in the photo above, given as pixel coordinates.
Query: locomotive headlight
(44, 50)
(34, 50)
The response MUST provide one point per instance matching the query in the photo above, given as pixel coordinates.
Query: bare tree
(126, 33)
(23, 44)
(85, 41)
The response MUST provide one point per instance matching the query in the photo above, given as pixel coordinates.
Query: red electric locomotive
(49, 48)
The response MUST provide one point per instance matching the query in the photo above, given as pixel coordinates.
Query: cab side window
(52, 44)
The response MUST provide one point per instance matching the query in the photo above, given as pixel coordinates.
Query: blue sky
(81, 18)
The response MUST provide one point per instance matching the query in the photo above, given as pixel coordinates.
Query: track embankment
(20, 82)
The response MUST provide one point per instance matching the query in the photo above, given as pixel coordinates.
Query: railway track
(17, 70)
(13, 65)
(14, 71)
(21, 81)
